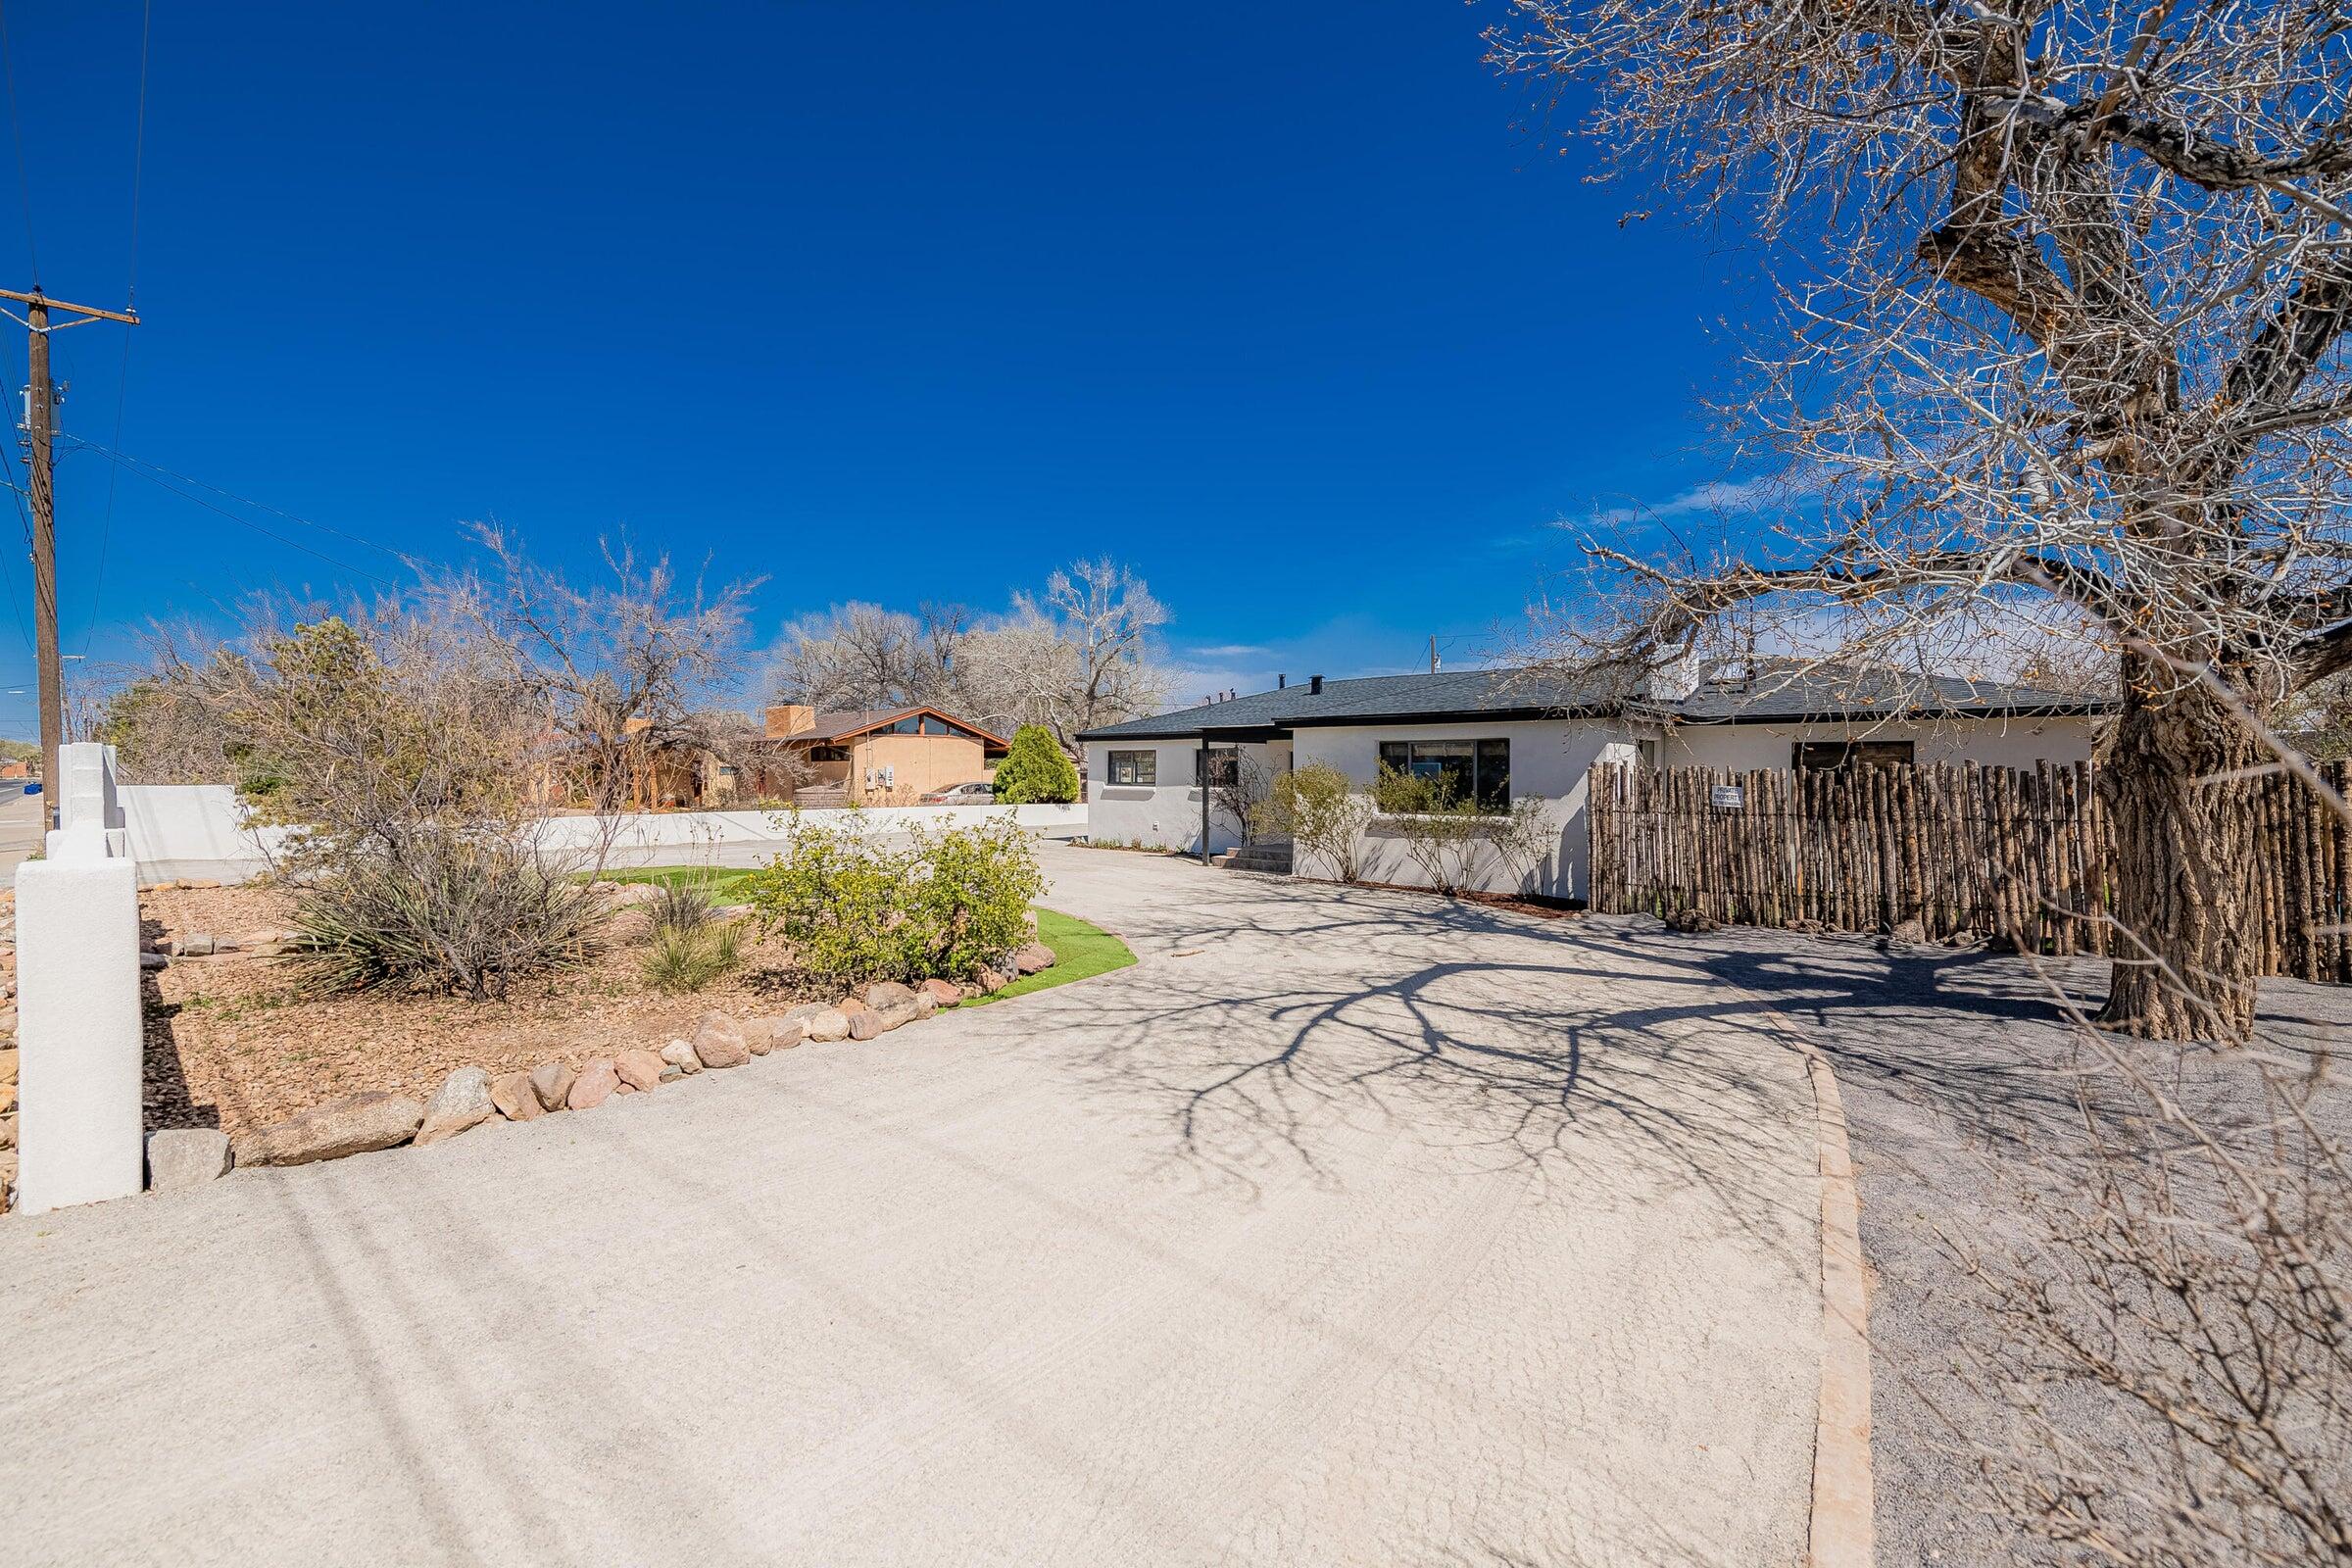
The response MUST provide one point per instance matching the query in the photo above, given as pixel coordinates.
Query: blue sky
(1282, 304)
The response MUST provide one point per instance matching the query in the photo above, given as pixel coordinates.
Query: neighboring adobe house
(882, 757)
(1510, 734)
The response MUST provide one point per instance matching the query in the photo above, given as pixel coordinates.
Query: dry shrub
(445, 909)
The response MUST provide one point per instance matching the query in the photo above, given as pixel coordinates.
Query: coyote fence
(1993, 851)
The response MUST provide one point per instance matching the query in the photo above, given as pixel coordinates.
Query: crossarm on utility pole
(41, 432)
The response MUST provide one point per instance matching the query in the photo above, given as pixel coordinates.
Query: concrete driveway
(1344, 1228)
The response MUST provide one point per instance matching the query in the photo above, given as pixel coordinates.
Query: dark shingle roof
(1786, 689)
(1529, 693)
(1768, 690)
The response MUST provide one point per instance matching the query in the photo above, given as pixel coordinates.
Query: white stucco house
(1508, 734)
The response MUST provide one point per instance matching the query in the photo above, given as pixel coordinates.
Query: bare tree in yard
(1107, 617)
(2068, 288)
(621, 669)
(2186, 1265)
(854, 656)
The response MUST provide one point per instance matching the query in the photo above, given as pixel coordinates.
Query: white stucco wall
(1164, 815)
(1991, 743)
(201, 830)
(80, 1133)
(1549, 762)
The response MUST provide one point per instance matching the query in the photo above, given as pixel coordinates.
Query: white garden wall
(79, 1133)
(199, 830)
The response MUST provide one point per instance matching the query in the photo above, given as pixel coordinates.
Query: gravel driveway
(1344, 1228)
(1959, 1078)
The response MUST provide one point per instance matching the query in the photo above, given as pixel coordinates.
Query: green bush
(1451, 839)
(969, 905)
(854, 910)
(684, 958)
(1035, 770)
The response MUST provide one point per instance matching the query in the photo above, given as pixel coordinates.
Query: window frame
(1147, 776)
(1223, 767)
(1492, 798)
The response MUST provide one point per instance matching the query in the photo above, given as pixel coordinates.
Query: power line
(17, 493)
(130, 299)
(15, 126)
(135, 465)
(161, 478)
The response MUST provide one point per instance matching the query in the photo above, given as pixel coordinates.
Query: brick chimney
(787, 720)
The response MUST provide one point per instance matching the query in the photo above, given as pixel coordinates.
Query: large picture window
(1135, 768)
(1465, 770)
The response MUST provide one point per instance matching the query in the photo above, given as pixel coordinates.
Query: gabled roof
(1768, 691)
(849, 723)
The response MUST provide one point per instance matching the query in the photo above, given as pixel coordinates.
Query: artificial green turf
(1080, 953)
(721, 880)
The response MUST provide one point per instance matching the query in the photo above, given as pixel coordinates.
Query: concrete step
(1273, 859)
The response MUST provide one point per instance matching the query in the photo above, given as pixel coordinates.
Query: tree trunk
(2186, 959)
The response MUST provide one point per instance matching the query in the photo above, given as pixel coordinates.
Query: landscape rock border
(471, 1096)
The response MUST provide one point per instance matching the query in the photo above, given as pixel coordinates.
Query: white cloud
(1717, 497)
(1228, 651)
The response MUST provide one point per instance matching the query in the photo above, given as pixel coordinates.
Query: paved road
(19, 827)
(1341, 1229)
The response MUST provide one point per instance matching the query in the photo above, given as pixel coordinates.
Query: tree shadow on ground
(1280, 1032)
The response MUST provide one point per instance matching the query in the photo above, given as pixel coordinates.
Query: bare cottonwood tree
(2069, 285)
(2173, 1331)
(1080, 654)
(852, 656)
(620, 668)
(1108, 617)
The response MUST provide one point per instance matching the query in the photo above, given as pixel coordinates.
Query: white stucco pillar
(79, 1064)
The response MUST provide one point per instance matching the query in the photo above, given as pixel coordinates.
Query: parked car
(982, 793)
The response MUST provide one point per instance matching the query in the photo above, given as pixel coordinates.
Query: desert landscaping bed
(232, 1043)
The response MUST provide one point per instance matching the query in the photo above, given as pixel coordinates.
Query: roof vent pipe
(1315, 685)
(1281, 681)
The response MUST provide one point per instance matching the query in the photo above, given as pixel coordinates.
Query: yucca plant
(684, 905)
(684, 958)
(441, 909)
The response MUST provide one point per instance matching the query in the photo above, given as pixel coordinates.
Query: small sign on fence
(1727, 797)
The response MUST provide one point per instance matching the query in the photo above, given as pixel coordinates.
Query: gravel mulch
(1959, 1075)
(232, 1044)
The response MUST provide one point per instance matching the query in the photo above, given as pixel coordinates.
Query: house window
(1468, 770)
(939, 726)
(828, 754)
(1135, 768)
(1224, 767)
(1834, 755)
(912, 724)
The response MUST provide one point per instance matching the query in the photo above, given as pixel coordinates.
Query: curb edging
(1841, 1531)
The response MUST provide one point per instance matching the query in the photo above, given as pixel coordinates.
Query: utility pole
(1433, 653)
(41, 432)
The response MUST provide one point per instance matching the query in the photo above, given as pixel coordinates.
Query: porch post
(1203, 775)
